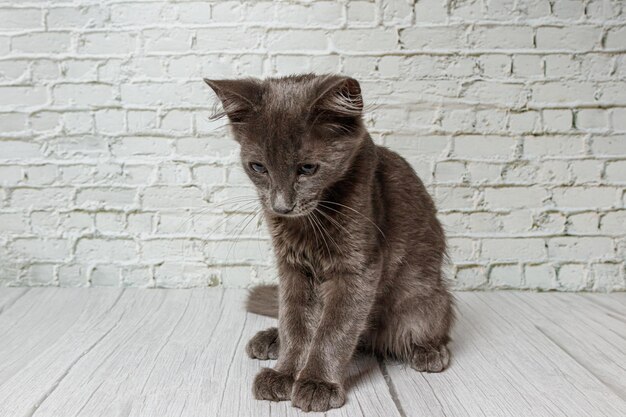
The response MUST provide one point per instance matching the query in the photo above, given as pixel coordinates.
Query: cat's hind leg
(264, 345)
(417, 332)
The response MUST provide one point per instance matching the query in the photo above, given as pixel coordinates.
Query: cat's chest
(302, 249)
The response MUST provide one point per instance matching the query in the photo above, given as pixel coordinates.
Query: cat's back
(407, 212)
(400, 186)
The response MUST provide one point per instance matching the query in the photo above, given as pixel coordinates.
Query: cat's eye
(307, 169)
(256, 167)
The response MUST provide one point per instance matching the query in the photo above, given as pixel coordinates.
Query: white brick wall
(512, 112)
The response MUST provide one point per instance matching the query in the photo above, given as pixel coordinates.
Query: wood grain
(131, 353)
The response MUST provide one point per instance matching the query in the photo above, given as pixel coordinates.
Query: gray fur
(358, 245)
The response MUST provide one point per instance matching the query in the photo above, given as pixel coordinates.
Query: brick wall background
(512, 111)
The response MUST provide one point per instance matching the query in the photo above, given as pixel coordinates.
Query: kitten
(358, 246)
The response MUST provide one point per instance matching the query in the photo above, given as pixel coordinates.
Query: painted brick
(195, 12)
(576, 248)
(609, 145)
(614, 223)
(515, 197)
(105, 197)
(424, 38)
(578, 38)
(12, 223)
(505, 276)
(572, 277)
(41, 197)
(12, 149)
(615, 171)
(513, 249)
(19, 96)
(484, 147)
(83, 94)
(105, 250)
(557, 120)
(501, 37)
(579, 197)
(77, 17)
(20, 19)
(46, 42)
(173, 197)
(364, 40)
(616, 38)
(607, 277)
(40, 249)
(185, 275)
(361, 12)
(512, 113)
(561, 65)
(592, 119)
(540, 277)
(471, 277)
(217, 39)
(105, 276)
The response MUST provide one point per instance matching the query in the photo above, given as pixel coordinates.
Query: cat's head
(298, 134)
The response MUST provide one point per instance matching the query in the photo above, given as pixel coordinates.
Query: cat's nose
(283, 210)
(281, 206)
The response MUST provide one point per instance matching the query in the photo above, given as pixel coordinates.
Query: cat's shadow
(362, 367)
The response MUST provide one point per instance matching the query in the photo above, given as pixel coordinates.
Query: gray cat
(358, 246)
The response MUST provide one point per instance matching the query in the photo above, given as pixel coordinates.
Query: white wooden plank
(8, 296)
(586, 332)
(179, 352)
(502, 368)
(564, 381)
(110, 378)
(614, 304)
(481, 380)
(43, 337)
(35, 322)
(369, 392)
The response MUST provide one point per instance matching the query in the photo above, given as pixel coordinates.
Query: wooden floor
(162, 353)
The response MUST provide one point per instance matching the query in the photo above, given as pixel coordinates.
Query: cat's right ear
(238, 97)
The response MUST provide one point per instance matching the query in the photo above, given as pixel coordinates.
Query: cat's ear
(238, 97)
(340, 96)
(338, 106)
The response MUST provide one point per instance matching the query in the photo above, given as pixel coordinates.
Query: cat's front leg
(348, 300)
(296, 301)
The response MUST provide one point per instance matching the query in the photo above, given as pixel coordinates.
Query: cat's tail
(263, 300)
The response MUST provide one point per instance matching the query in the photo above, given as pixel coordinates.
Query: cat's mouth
(299, 210)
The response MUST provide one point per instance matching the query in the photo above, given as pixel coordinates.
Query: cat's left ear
(239, 97)
(340, 96)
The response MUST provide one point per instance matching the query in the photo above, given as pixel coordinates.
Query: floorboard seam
(167, 340)
(58, 381)
(245, 320)
(391, 386)
(602, 381)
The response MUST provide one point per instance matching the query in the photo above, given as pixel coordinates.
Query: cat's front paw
(272, 385)
(313, 395)
(264, 345)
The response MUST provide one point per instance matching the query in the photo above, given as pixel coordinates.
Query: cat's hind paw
(430, 359)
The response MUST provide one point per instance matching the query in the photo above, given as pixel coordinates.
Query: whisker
(333, 221)
(238, 237)
(328, 235)
(356, 211)
(313, 219)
